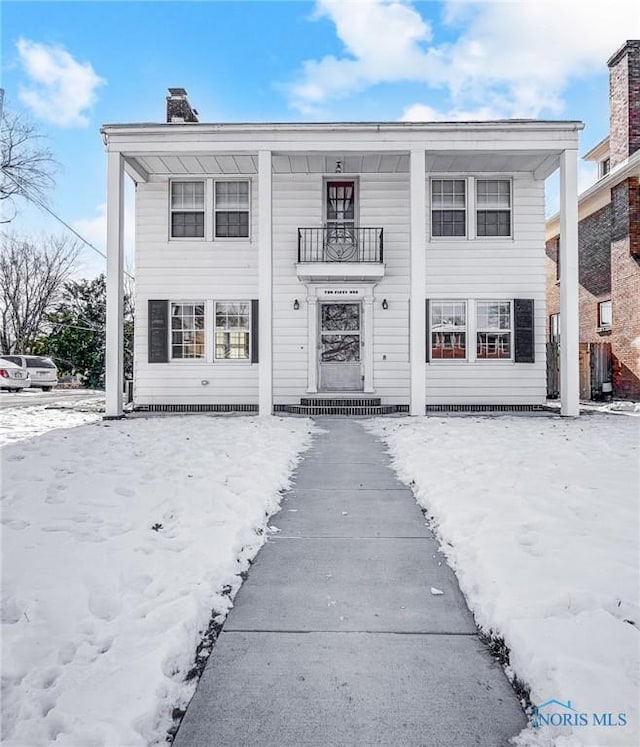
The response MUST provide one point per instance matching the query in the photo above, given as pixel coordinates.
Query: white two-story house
(288, 266)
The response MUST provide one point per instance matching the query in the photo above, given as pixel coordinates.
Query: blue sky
(72, 66)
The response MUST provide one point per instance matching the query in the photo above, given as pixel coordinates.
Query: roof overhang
(599, 194)
(452, 147)
(599, 151)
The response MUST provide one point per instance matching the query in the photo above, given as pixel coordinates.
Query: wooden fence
(595, 370)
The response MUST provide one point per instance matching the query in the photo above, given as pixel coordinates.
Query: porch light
(296, 305)
(338, 166)
(385, 305)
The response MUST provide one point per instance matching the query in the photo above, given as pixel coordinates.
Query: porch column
(265, 284)
(312, 340)
(417, 320)
(114, 383)
(367, 308)
(569, 326)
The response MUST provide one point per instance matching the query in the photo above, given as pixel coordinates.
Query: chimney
(178, 107)
(624, 102)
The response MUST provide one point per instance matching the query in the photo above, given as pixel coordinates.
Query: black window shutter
(523, 309)
(158, 348)
(255, 341)
(427, 347)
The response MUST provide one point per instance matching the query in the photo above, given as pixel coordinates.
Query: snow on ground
(118, 539)
(20, 423)
(538, 516)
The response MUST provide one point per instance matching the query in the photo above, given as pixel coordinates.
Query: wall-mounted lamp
(385, 305)
(338, 166)
(296, 305)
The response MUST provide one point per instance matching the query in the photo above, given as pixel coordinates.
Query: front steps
(366, 406)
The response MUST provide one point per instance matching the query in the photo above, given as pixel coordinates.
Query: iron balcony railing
(340, 243)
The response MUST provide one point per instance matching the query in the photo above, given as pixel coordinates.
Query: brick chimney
(624, 102)
(178, 107)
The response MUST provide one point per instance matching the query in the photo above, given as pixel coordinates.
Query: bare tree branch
(27, 165)
(32, 276)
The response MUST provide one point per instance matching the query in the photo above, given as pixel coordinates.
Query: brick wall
(624, 102)
(625, 280)
(608, 269)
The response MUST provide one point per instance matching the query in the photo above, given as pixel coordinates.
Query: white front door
(340, 347)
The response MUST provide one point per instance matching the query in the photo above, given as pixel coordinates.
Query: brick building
(609, 234)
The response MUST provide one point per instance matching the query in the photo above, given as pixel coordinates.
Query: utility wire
(42, 205)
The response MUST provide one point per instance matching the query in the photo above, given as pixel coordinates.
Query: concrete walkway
(335, 637)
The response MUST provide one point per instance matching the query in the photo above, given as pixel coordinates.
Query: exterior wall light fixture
(385, 305)
(296, 305)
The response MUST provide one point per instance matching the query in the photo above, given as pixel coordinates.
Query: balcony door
(340, 347)
(340, 205)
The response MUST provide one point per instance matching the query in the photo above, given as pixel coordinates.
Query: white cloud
(513, 59)
(383, 42)
(60, 88)
(426, 113)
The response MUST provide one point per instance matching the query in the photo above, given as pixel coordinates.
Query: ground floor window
(448, 330)
(493, 330)
(233, 330)
(187, 330)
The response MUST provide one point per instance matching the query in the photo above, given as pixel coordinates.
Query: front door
(340, 347)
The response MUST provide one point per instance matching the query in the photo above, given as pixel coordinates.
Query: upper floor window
(493, 329)
(187, 209)
(448, 207)
(448, 327)
(605, 166)
(231, 209)
(493, 207)
(187, 330)
(605, 315)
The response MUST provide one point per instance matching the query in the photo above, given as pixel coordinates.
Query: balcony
(340, 252)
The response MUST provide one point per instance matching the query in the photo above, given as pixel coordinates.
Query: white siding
(216, 270)
(493, 269)
(197, 270)
(383, 202)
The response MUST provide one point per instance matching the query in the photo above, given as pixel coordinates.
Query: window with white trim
(605, 315)
(187, 210)
(231, 209)
(448, 326)
(493, 330)
(493, 207)
(187, 330)
(448, 207)
(233, 330)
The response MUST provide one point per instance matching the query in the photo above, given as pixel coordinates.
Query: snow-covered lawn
(538, 516)
(117, 542)
(20, 423)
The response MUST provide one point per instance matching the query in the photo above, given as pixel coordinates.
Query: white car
(42, 370)
(12, 376)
